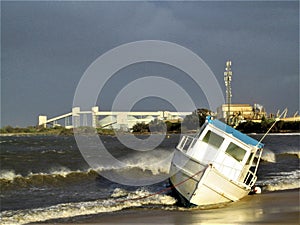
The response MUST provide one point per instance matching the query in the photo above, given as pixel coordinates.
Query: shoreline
(278, 207)
(142, 134)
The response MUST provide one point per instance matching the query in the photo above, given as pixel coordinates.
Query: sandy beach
(281, 207)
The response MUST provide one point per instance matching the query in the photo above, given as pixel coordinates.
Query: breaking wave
(284, 134)
(281, 181)
(268, 156)
(10, 180)
(282, 186)
(290, 153)
(120, 199)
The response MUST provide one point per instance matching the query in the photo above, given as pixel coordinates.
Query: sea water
(46, 177)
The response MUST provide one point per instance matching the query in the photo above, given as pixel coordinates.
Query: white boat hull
(200, 184)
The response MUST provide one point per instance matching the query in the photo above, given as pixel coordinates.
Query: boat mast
(227, 80)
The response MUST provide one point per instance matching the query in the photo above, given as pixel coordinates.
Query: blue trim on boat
(228, 129)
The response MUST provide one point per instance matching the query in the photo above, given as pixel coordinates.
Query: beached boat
(215, 166)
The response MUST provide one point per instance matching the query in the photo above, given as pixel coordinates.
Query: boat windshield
(213, 139)
(236, 152)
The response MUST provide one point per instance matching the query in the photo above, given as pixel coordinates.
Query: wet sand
(281, 207)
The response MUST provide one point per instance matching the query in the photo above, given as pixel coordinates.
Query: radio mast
(227, 80)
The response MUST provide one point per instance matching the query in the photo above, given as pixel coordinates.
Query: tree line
(197, 119)
(280, 126)
(191, 122)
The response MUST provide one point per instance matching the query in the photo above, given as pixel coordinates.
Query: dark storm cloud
(47, 46)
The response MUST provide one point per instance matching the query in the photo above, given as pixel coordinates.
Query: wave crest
(291, 153)
(8, 175)
(282, 186)
(9, 180)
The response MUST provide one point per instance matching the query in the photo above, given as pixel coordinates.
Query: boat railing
(186, 143)
(230, 171)
(250, 178)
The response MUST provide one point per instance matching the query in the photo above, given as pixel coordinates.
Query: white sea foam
(292, 152)
(58, 171)
(53, 151)
(157, 162)
(119, 192)
(131, 199)
(282, 186)
(61, 171)
(268, 155)
(283, 134)
(8, 175)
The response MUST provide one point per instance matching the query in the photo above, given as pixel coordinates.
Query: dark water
(46, 177)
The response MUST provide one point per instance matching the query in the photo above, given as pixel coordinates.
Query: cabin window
(236, 152)
(249, 159)
(213, 139)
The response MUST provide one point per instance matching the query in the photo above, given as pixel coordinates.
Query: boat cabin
(228, 150)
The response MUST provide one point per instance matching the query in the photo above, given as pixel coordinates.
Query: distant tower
(227, 79)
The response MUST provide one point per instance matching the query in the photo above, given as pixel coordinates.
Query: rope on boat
(276, 120)
(263, 137)
(163, 190)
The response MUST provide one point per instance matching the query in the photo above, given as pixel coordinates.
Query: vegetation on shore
(246, 127)
(190, 122)
(279, 127)
(58, 130)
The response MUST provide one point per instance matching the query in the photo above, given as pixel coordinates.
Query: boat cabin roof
(228, 129)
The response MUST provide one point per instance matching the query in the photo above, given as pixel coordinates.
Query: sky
(46, 47)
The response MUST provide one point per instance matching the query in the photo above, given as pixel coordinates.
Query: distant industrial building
(239, 112)
(108, 119)
(244, 112)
